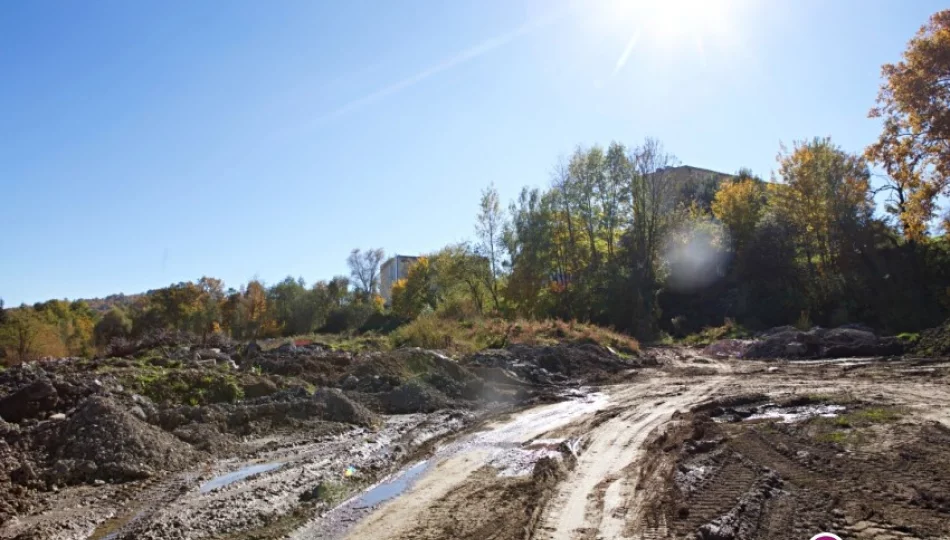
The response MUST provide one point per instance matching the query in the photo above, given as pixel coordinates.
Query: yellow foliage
(739, 206)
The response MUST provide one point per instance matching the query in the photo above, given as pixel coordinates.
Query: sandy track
(592, 502)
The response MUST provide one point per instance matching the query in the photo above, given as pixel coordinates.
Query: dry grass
(465, 336)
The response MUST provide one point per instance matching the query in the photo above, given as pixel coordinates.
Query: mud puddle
(393, 487)
(511, 447)
(238, 475)
(785, 415)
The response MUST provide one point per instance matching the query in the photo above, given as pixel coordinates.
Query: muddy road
(859, 448)
(684, 447)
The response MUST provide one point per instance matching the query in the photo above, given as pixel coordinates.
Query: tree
(364, 268)
(489, 227)
(415, 293)
(115, 323)
(914, 145)
(739, 205)
(651, 203)
(825, 196)
(259, 319)
(461, 275)
(612, 189)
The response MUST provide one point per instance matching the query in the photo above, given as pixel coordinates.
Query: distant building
(391, 271)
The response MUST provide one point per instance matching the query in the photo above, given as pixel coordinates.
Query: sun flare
(671, 25)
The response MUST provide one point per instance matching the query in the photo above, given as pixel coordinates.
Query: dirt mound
(934, 342)
(556, 364)
(413, 397)
(104, 440)
(339, 408)
(788, 342)
(29, 392)
(314, 365)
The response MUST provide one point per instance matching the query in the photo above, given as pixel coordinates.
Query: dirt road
(742, 480)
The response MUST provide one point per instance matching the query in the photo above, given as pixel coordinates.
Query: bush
(348, 318)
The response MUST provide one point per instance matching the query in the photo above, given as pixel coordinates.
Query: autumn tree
(364, 268)
(460, 276)
(914, 145)
(739, 205)
(489, 227)
(825, 195)
(19, 335)
(415, 293)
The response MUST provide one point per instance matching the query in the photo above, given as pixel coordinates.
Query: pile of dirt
(27, 392)
(934, 342)
(789, 342)
(551, 365)
(104, 440)
(291, 408)
(313, 364)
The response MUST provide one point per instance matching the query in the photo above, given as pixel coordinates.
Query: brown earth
(673, 444)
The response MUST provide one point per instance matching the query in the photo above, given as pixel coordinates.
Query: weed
(729, 330)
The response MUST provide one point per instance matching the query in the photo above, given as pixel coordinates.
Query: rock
(38, 397)
(287, 348)
(714, 531)
(351, 382)
(252, 349)
(260, 388)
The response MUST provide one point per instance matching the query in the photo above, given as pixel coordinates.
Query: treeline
(624, 237)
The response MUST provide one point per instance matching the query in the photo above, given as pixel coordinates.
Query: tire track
(597, 498)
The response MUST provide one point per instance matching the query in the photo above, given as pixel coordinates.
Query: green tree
(489, 227)
(114, 324)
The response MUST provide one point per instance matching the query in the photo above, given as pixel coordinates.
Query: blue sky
(146, 143)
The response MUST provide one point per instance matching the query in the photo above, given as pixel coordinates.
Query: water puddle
(789, 415)
(512, 447)
(238, 475)
(785, 415)
(109, 529)
(392, 487)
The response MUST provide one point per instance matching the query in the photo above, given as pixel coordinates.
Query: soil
(511, 443)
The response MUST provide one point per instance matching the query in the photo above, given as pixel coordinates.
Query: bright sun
(671, 24)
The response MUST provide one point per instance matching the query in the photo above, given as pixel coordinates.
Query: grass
(908, 338)
(729, 330)
(851, 428)
(432, 331)
(354, 343)
(866, 417)
(185, 387)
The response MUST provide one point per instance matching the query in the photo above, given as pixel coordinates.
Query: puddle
(238, 475)
(789, 415)
(786, 415)
(109, 529)
(392, 487)
(512, 447)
